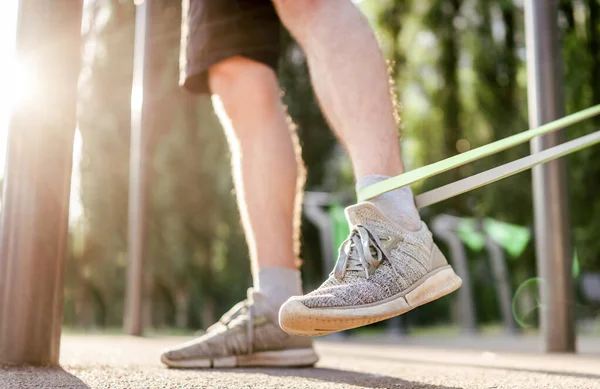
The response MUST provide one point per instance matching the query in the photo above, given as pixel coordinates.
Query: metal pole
(552, 224)
(314, 203)
(37, 181)
(502, 281)
(444, 227)
(134, 289)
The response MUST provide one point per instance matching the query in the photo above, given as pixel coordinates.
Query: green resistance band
(475, 154)
(506, 170)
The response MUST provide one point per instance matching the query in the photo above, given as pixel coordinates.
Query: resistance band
(491, 175)
(506, 170)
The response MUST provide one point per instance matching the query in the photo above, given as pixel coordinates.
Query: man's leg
(351, 81)
(230, 48)
(267, 176)
(390, 264)
(267, 170)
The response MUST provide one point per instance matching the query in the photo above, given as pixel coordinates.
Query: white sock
(398, 205)
(278, 284)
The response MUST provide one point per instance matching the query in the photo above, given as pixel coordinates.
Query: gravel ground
(97, 361)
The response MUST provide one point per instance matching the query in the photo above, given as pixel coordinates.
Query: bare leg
(266, 175)
(265, 158)
(350, 78)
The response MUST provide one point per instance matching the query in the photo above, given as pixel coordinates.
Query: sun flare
(20, 82)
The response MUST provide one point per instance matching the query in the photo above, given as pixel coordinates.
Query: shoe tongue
(256, 298)
(261, 303)
(361, 213)
(252, 294)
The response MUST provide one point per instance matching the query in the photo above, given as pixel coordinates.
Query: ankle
(278, 284)
(398, 205)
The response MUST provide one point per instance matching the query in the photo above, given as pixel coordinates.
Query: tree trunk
(181, 308)
(208, 311)
(594, 46)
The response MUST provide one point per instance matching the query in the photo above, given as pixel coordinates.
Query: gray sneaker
(382, 271)
(247, 335)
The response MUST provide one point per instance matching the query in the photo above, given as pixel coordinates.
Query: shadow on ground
(481, 366)
(38, 377)
(335, 376)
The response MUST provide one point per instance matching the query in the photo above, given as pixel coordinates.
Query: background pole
(141, 139)
(552, 219)
(134, 288)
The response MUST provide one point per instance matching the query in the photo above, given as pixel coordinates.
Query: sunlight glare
(76, 207)
(8, 26)
(137, 98)
(21, 82)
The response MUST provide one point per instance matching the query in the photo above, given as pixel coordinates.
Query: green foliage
(194, 241)
(460, 77)
(581, 55)
(104, 123)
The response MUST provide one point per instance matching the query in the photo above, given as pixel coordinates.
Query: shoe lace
(362, 252)
(235, 315)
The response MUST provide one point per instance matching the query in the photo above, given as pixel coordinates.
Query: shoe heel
(437, 258)
(441, 283)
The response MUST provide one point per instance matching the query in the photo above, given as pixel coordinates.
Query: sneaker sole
(283, 358)
(297, 319)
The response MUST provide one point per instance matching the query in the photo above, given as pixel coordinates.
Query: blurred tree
(104, 122)
(461, 80)
(194, 232)
(580, 30)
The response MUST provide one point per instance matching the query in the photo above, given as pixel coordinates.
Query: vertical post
(444, 227)
(314, 202)
(37, 181)
(552, 224)
(134, 289)
(502, 281)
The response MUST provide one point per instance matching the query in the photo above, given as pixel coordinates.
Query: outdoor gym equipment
(553, 245)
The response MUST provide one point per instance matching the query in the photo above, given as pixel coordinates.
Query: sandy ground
(124, 362)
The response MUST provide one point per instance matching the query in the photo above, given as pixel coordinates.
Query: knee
(243, 84)
(298, 15)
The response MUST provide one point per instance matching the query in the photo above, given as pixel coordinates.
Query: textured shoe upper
(377, 264)
(250, 326)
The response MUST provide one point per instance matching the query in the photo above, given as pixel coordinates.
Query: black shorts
(214, 30)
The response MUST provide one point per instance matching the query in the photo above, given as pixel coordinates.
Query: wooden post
(37, 181)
